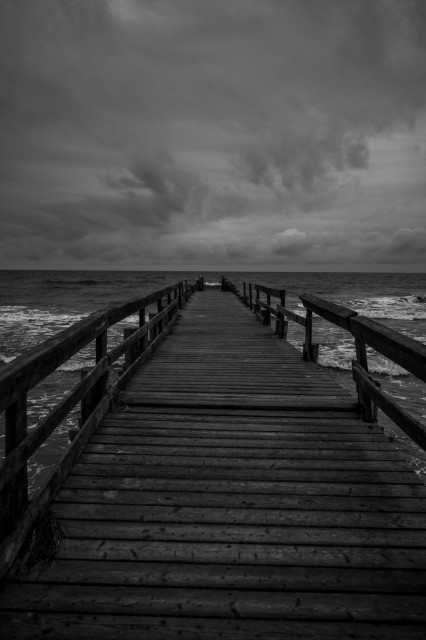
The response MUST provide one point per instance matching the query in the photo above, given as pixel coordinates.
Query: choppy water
(35, 305)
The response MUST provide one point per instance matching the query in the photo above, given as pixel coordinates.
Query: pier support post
(159, 310)
(16, 498)
(368, 409)
(143, 341)
(310, 351)
(99, 389)
(153, 330)
(251, 296)
(132, 353)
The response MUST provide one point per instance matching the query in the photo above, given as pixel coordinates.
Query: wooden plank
(68, 626)
(261, 445)
(322, 466)
(300, 473)
(106, 483)
(231, 576)
(393, 518)
(248, 501)
(266, 535)
(244, 553)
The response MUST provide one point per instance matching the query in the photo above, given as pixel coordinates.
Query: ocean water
(34, 305)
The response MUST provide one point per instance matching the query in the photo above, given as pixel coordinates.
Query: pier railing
(406, 352)
(94, 391)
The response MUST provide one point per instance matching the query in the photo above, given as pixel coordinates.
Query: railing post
(101, 386)
(279, 324)
(169, 301)
(180, 300)
(86, 403)
(16, 497)
(251, 296)
(99, 389)
(143, 341)
(256, 302)
(159, 310)
(153, 330)
(310, 351)
(132, 353)
(308, 337)
(245, 293)
(268, 313)
(368, 409)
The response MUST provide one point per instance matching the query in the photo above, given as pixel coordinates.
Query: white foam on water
(410, 308)
(6, 359)
(11, 314)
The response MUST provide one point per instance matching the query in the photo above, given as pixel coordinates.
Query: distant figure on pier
(199, 283)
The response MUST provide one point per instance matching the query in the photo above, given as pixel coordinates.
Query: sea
(35, 305)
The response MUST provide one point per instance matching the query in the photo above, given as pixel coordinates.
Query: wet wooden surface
(234, 492)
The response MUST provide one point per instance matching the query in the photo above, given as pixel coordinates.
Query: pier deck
(233, 492)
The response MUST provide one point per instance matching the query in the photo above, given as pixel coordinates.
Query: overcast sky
(204, 134)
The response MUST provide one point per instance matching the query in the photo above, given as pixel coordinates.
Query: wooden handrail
(276, 293)
(293, 316)
(26, 371)
(404, 351)
(408, 423)
(335, 313)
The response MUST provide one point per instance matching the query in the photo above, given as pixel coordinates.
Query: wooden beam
(404, 351)
(335, 313)
(408, 423)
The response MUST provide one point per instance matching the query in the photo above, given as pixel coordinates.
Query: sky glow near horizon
(191, 134)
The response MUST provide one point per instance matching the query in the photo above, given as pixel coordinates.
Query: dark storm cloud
(290, 92)
(304, 161)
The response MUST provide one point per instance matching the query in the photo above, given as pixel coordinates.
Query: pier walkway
(233, 491)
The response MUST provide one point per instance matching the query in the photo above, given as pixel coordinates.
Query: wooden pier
(232, 490)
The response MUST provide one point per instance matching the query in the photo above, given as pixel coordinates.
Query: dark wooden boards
(234, 492)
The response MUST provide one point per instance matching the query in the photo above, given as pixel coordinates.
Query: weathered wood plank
(250, 515)
(233, 576)
(248, 501)
(267, 535)
(78, 626)
(88, 481)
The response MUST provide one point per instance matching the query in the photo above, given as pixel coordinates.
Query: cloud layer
(203, 134)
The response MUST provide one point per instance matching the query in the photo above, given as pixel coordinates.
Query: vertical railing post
(159, 310)
(368, 409)
(310, 351)
(169, 301)
(16, 498)
(279, 325)
(95, 394)
(101, 350)
(256, 302)
(180, 300)
(268, 313)
(251, 296)
(244, 293)
(144, 339)
(153, 330)
(132, 353)
(308, 337)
